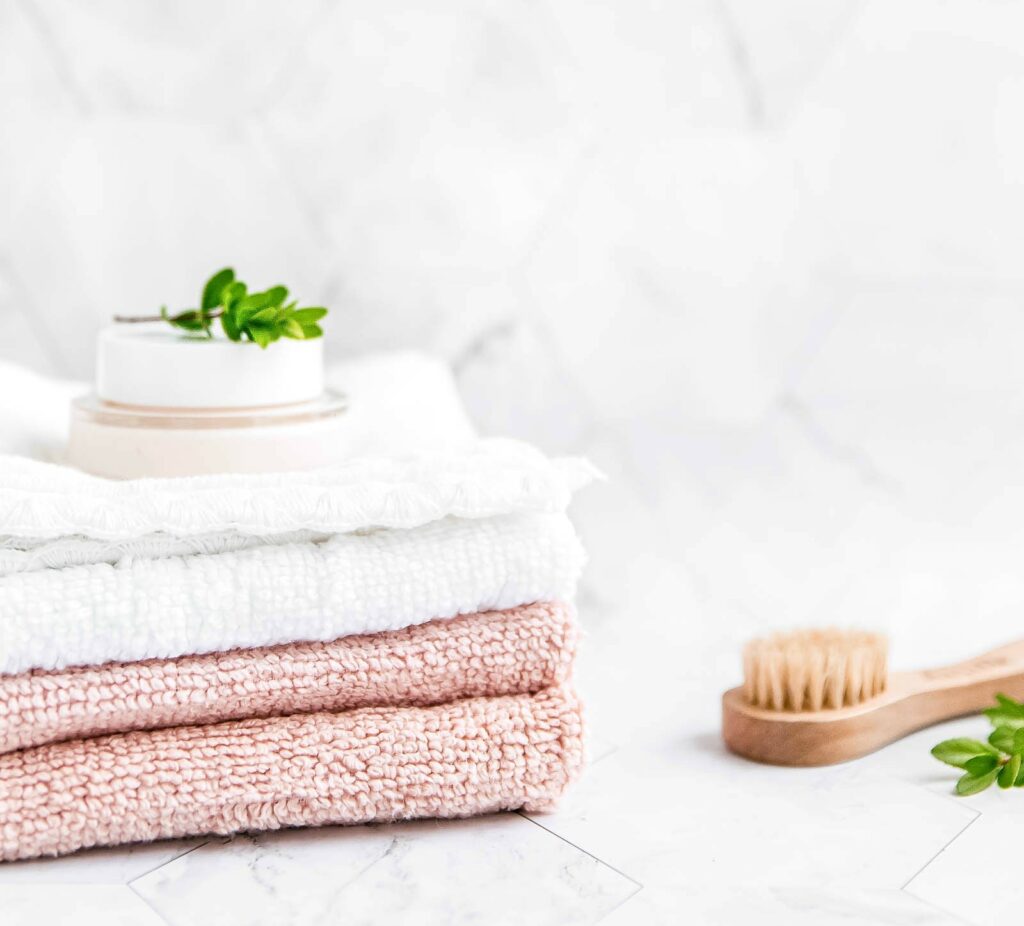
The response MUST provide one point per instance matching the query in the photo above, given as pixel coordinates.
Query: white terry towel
(347, 584)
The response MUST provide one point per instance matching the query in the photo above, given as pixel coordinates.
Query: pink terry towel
(518, 651)
(374, 764)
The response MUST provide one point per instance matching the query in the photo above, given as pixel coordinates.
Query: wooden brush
(815, 697)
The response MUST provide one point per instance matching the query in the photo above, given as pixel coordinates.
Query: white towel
(350, 583)
(40, 501)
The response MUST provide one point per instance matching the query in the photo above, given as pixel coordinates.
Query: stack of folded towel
(385, 640)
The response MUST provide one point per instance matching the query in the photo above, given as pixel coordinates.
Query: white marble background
(761, 261)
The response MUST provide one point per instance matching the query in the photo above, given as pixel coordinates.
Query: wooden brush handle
(912, 700)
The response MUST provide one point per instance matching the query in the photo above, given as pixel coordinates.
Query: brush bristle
(811, 670)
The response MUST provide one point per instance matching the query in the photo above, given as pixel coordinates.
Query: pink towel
(490, 653)
(374, 764)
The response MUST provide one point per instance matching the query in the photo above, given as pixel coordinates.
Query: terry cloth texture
(352, 583)
(467, 757)
(518, 651)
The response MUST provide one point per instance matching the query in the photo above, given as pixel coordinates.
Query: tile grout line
(960, 833)
(392, 845)
(942, 910)
(600, 861)
(618, 906)
(175, 858)
(160, 916)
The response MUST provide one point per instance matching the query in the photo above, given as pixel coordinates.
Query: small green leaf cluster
(999, 760)
(262, 317)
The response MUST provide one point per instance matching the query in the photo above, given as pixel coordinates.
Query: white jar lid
(152, 364)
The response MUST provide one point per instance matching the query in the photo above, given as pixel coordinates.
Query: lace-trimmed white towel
(485, 478)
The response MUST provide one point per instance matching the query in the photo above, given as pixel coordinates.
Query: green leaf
(1019, 781)
(261, 336)
(277, 295)
(1018, 742)
(290, 328)
(1002, 738)
(981, 765)
(255, 301)
(263, 317)
(1009, 772)
(308, 316)
(230, 325)
(232, 294)
(958, 752)
(214, 289)
(972, 784)
(1009, 713)
(1001, 717)
(248, 306)
(1010, 704)
(190, 320)
(254, 304)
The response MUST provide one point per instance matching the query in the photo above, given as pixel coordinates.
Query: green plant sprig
(261, 317)
(1000, 760)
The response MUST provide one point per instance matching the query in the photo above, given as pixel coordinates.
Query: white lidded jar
(171, 404)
